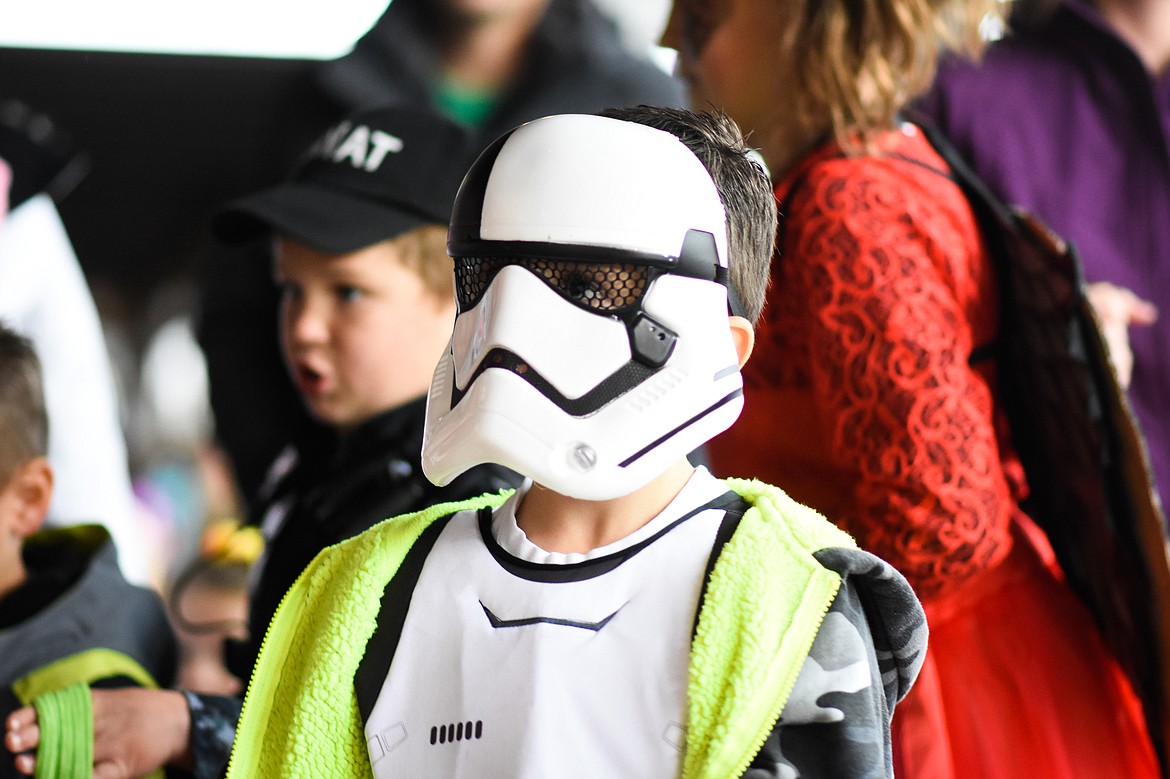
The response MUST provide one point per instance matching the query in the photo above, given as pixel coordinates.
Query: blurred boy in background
(67, 616)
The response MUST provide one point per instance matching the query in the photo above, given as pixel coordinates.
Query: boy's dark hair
(24, 422)
(743, 185)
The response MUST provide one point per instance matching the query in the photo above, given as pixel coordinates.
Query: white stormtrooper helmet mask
(591, 348)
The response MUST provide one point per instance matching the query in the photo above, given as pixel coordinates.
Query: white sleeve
(44, 295)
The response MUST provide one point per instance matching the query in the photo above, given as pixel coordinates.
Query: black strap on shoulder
(736, 507)
(983, 200)
(380, 649)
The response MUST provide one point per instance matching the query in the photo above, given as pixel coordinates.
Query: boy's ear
(743, 335)
(29, 493)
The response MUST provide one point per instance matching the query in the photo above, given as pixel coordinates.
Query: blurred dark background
(166, 138)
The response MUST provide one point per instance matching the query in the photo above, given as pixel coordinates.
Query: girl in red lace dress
(867, 396)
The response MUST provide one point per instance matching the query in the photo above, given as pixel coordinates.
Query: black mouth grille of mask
(610, 287)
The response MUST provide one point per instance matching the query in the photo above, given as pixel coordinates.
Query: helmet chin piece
(586, 354)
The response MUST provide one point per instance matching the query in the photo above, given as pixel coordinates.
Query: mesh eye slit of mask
(608, 287)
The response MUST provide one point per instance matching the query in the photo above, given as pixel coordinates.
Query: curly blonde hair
(862, 61)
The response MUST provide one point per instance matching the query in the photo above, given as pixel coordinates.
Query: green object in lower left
(65, 717)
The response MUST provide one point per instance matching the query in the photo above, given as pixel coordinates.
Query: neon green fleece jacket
(763, 606)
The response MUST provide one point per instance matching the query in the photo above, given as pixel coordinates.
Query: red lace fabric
(862, 401)
(860, 397)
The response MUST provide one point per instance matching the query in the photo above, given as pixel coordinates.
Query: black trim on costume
(380, 649)
(587, 569)
(467, 211)
(618, 383)
(659, 441)
(726, 530)
(698, 258)
(500, 624)
(473, 246)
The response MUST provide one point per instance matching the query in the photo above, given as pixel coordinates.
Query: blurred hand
(135, 731)
(1118, 308)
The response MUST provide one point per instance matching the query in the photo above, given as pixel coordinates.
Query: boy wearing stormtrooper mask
(623, 613)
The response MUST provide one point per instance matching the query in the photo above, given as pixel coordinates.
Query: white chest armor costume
(500, 674)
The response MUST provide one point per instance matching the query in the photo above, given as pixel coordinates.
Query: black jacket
(577, 63)
(319, 497)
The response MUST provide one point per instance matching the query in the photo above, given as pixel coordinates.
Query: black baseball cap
(373, 176)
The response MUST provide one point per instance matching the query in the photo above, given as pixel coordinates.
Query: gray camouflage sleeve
(836, 723)
(213, 728)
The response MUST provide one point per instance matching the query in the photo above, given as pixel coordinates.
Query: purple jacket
(1065, 121)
